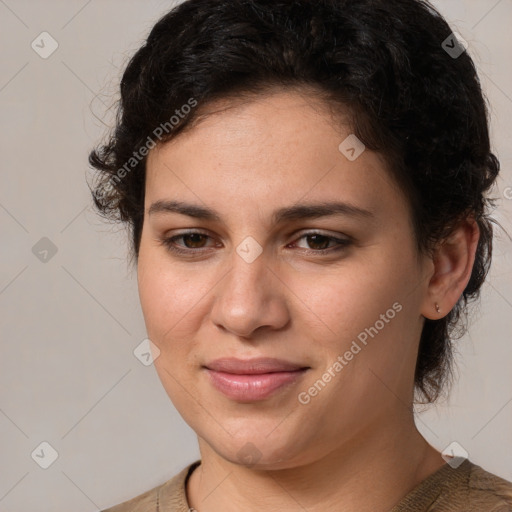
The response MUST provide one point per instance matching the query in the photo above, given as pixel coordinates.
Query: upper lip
(253, 366)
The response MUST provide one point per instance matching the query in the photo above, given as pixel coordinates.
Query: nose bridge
(248, 266)
(244, 283)
(248, 297)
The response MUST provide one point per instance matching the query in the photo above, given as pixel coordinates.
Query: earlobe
(453, 260)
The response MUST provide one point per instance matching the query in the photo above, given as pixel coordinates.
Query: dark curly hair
(411, 91)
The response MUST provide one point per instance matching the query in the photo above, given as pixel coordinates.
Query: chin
(262, 451)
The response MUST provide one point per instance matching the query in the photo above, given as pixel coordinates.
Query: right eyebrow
(191, 210)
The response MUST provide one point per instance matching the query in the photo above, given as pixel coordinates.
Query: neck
(390, 462)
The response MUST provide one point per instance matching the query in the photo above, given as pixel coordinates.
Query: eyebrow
(290, 213)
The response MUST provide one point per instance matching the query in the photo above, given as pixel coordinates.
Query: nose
(250, 297)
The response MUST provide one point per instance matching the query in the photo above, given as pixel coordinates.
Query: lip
(255, 366)
(252, 379)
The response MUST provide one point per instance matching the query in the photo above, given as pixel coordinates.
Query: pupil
(316, 239)
(196, 238)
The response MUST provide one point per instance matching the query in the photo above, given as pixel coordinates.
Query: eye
(321, 243)
(192, 241)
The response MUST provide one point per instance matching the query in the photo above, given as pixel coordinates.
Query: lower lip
(250, 388)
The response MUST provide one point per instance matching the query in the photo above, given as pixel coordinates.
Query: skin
(292, 303)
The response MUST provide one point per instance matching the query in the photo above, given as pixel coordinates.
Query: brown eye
(187, 244)
(318, 242)
(195, 240)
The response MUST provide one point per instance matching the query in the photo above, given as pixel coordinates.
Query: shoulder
(470, 488)
(488, 490)
(146, 502)
(167, 497)
(464, 488)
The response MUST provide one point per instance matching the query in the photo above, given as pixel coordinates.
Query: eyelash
(169, 243)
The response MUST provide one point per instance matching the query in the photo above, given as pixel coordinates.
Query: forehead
(282, 146)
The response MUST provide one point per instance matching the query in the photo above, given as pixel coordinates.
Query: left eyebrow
(290, 213)
(317, 210)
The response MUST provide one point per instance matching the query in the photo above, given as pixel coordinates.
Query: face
(285, 329)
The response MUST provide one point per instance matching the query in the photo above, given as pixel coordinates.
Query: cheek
(176, 301)
(343, 302)
(165, 296)
(169, 303)
(367, 309)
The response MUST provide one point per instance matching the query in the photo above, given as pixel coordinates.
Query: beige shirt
(467, 488)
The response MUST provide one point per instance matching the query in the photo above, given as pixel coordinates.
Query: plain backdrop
(70, 315)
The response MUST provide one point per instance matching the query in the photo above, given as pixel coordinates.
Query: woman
(305, 184)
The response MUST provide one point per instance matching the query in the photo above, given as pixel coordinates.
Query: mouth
(253, 379)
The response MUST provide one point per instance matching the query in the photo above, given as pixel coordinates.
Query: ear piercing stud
(438, 309)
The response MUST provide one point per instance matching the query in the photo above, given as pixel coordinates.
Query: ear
(453, 261)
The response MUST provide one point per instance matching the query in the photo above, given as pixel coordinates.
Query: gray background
(69, 325)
